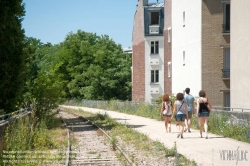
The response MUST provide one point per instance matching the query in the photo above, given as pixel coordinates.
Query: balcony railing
(226, 28)
(225, 73)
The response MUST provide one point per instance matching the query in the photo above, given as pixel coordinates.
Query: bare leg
(182, 128)
(189, 124)
(201, 121)
(166, 123)
(186, 124)
(205, 125)
(169, 124)
(178, 128)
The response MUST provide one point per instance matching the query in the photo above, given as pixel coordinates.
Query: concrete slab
(214, 151)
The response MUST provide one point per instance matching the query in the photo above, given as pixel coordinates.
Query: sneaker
(206, 137)
(185, 129)
(200, 135)
(189, 131)
(178, 135)
(169, 129)
(181, 136)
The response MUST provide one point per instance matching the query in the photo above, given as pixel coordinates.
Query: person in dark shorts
(189, 99)
(181, 111)
(166, 111)
(203, 109)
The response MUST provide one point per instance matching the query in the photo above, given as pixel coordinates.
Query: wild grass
(27, 136)
(219, 121)
(132, 137)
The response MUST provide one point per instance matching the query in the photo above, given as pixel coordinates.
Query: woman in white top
(166, 111)
(181, 109)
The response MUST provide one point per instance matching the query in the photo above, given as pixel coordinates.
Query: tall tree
(43, 86)
(11, 52)
(97, 67)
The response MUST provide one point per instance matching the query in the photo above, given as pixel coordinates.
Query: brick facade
(138, 56)
(212, 54)
(167, 46)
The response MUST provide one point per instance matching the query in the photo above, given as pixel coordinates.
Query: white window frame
(158, 21)
(155, 76)
(184, 58)
(169, 69)
(184, 18)
(156, 50)
(169, 34)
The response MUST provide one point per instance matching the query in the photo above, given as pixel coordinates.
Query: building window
(154, 18)
(154, 76)
(154, 47)
(227, 100)
(226, 63)
(169, 34)
(183, 19)
(183, 58)
(226, 22)
(169, 69)
(226, 58)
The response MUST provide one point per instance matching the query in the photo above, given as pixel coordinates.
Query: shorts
(190, 113)
(203, 114)
(180, 117)
(165, 115)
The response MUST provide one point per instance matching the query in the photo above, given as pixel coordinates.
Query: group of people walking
(183, 109)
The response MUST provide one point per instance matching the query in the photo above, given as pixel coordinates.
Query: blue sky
(51, 20)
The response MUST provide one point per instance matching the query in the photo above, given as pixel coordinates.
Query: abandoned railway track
(91, 145)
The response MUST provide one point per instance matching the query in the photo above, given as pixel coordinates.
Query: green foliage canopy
(97, 67)
(11, 52)
(84, 66)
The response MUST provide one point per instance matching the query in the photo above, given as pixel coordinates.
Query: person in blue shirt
(189, 99)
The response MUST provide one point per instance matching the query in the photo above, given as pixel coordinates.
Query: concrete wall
(186, 37)
(240, 53)
(138, 56)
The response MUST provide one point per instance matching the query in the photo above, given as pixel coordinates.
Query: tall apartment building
(194, 50)
(201, 48)
(148, 52)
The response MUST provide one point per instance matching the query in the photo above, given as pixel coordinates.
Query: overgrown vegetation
(26, 136)
(140, 141)
(220, 122)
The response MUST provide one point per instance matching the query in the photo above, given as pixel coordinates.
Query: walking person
(203, 109)
(189, 99)
(166, 111)
(181, 111)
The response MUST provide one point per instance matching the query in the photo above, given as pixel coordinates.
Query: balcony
(154, 61)
(225, 74)
(154, 29)
(154, 91)
(226, 28)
